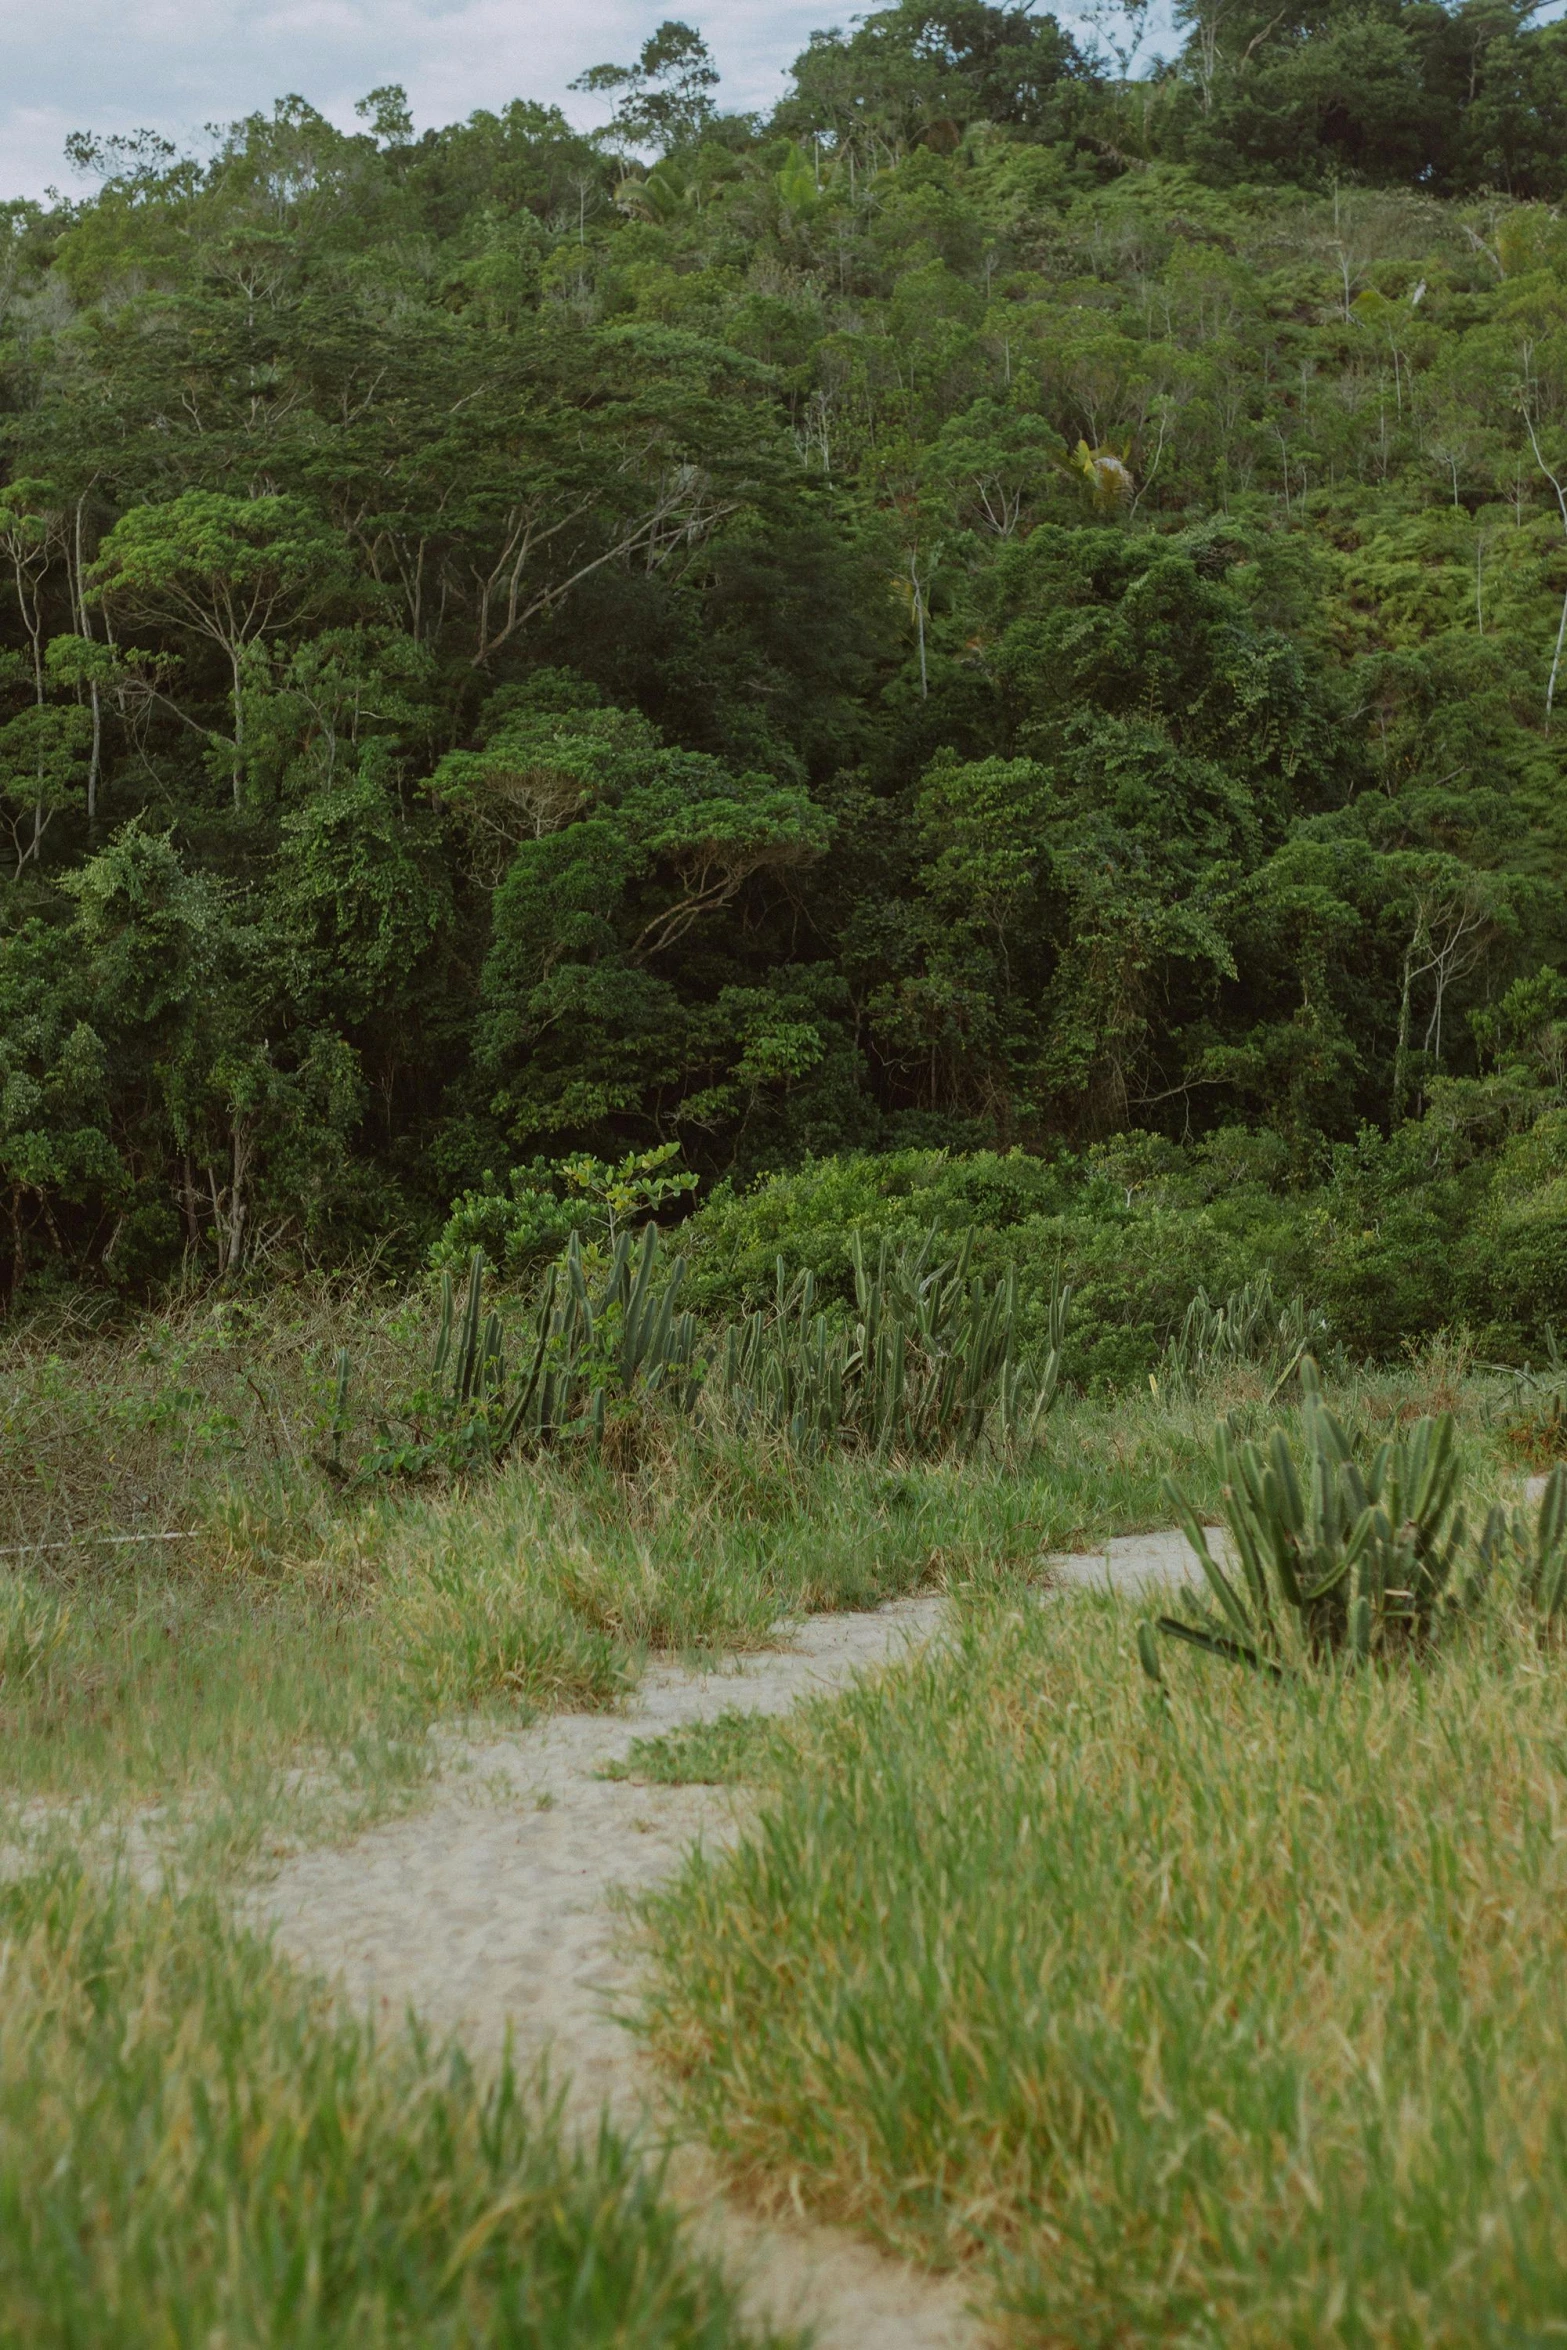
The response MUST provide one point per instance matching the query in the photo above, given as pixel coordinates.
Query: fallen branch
(27, 1549)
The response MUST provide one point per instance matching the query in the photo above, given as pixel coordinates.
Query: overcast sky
(115, 65)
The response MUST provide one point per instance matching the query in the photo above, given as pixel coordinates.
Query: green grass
(245, 1715)
(276, 1677)
(1014, 1970)
(1235, 2020)
(281, 1683)
(197, 2148)
(736, 1747)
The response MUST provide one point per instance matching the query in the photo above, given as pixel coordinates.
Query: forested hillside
(1015, 603)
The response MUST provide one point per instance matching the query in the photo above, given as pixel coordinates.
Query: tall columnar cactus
(629, 1338)
(929, 1363)
(1249, 1326)
(590, 1344)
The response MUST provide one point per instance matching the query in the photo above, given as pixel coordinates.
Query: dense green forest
(1016, 605)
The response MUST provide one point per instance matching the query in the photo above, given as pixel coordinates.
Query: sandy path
(491, 1911)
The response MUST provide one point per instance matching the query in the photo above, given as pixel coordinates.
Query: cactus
(585, 1349)
(929, 1363)
(1335, 1559)
(1250, 1326)
(1538, 1559)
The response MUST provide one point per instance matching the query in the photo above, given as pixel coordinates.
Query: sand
(491, 1912)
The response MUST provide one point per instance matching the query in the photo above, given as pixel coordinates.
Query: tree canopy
(1015, 600)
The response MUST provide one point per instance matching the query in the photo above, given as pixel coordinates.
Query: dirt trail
(490, 1912)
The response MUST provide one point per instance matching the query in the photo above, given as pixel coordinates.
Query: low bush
(1134, 1256)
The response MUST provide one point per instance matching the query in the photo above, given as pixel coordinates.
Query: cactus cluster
(1537, 1556)
(1251, 1325)
(929, 1362)
(1332, 1556)
(591, 1343)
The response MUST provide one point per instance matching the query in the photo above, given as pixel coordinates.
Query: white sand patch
(1138, 1563)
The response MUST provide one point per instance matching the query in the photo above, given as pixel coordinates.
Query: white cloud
(175, 65)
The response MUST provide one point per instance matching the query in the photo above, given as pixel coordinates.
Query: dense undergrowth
(1452, 1224)
(114, 1424)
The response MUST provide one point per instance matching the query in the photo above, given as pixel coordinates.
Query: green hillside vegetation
(1005, 607)
(739, 857)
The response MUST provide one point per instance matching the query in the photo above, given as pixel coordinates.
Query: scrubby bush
(1135, 1243)
(544, 1203)
(1458, 1218)
(1513, 1278)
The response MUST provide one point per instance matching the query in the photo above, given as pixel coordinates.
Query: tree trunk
(188, 1205)
(243, 1135)
(239, 729)
(1401, 1052)
(1556, 663)
(15, 1282)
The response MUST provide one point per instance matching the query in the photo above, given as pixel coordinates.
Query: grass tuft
(1231, 2017)
(735, 1749)
(197, 2147)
